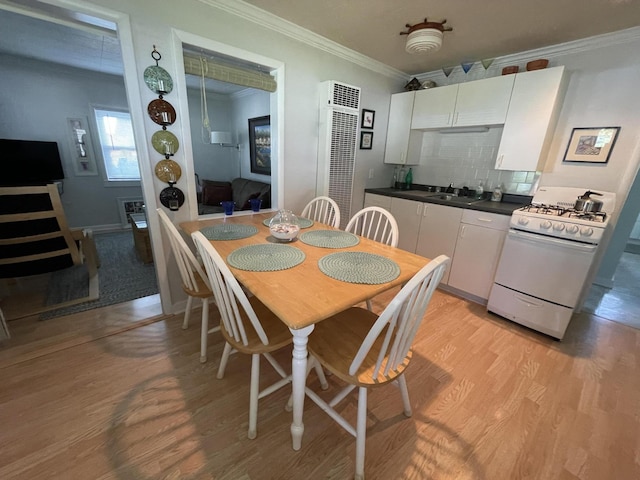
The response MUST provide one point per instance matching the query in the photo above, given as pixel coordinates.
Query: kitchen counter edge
(508, 204)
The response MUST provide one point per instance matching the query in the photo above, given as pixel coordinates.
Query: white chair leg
(204, 330)
(253, 395)
(320, 372)
(361, 432)
(405, 395)
(187, 313)
(369, 306)
(224, 359)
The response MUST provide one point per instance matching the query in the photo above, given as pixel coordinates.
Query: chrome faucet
(450, 188)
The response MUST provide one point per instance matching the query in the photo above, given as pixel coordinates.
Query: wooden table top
(303, 295)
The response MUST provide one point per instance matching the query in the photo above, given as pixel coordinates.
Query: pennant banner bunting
(487, 63)
(467, 66)
(447, 71)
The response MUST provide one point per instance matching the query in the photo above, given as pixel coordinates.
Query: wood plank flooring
(491, 399)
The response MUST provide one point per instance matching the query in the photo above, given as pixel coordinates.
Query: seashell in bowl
(284, 231)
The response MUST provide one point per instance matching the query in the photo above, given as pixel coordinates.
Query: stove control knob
(572, 229)
(546, 224)
(558, 227)
(586, 231)
(523, 221)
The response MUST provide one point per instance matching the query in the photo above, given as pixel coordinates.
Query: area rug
(122, 276)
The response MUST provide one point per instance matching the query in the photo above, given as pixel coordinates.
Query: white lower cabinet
(438, 232)
(373, 200)
(478, 246)
(407, 214)
(471, 239)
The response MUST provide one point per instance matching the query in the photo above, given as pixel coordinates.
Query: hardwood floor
(492, 400)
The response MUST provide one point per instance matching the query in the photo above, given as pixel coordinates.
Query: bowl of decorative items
(284, 226)
(510, 70)
(537, 64)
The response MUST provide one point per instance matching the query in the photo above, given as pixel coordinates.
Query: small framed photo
(366, 140)
(368, 116)
(260, 145)
(591, 145)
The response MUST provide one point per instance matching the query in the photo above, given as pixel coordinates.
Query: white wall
(211, 162)
(601, 91)
(304, 68)
(37, 98)
(246, 105)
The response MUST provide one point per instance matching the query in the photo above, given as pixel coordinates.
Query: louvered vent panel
(345, 96)
(342, 161)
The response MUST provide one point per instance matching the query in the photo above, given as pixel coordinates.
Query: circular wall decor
(168, 171)
(165, 142)
(158, 80)
(172, 197)
(161, 112)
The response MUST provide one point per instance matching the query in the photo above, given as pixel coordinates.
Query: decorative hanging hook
(155, 54)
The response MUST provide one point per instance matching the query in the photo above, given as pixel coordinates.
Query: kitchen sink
(457, 200)
(421, 193)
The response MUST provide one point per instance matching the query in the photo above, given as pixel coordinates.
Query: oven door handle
(542, 239)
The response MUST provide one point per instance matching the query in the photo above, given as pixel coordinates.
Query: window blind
(194, 65)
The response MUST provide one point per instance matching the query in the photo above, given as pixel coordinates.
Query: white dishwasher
(478, 247)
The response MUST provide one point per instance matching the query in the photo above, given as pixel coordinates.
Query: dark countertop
(508, 204)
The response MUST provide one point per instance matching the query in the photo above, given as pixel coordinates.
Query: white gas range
(547, 257)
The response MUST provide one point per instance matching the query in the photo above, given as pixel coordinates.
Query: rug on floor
(122, 275)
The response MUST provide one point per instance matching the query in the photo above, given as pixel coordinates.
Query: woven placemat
(302, 222)
(265, 257)
(228, 231)
(329, 239)
(359, 267)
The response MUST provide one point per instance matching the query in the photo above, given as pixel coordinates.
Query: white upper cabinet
(433, 107)
(531, 119)
(403, 146)
(481, 102)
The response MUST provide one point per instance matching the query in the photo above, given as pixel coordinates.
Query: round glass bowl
(284, 226)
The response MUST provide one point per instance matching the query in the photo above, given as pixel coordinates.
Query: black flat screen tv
(29, 162)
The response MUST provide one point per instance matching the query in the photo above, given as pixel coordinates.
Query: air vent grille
(344, 130)
(342, 95)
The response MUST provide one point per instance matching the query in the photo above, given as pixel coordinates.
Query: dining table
(305, 294)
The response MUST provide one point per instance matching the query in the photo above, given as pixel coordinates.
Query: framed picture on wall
(366, 140)
(260, 144)
(591, 145)
(368, 116)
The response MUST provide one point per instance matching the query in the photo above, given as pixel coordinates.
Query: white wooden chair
(248, 326)
(365, 350)
(377, 224)
(194, 280)
(323, 210)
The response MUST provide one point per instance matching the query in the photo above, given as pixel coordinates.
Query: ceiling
(482, 30)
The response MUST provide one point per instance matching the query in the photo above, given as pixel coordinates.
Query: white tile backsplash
(464, 159)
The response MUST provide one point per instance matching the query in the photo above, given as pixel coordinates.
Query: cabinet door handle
(424, 211)
(402, 155)
(462, 230)
(449, 118)
(455, 121)
(418, 207)
(499, 162)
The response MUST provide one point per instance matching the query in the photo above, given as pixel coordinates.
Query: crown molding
(569, 48)
(291, 30)
(576, 46)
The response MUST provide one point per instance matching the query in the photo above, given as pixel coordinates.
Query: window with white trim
(117, 145)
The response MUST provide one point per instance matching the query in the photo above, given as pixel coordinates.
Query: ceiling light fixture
(425, 37)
